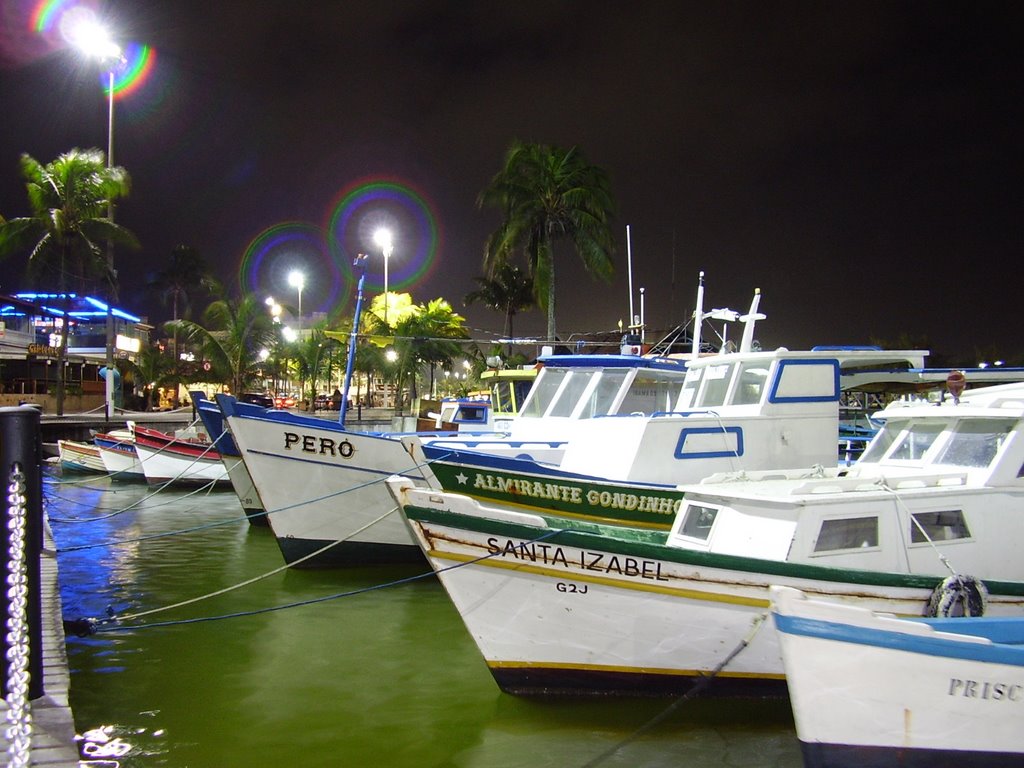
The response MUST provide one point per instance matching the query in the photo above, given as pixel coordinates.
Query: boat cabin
(936, 482)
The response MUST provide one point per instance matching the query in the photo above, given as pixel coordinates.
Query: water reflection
(389, 677)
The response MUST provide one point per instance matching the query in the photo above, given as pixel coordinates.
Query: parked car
(257, 398)
(284, 401)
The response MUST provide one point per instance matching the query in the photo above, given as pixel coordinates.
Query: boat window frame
(683, 516)
(707, 382)
(540, 386)
(925, 542)
(855, 515)
(959, 436)
(690, 387)
(738, 380)
(665, 383)
(606, 374)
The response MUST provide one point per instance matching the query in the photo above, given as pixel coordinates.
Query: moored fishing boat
(76, 456)
(238, 474)
(744, 410)
(323, 485)
(558, 605)
(118, 454)
(168, 458)
(873, 689)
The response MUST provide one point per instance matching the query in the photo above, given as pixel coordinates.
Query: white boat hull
(244, 487)
(121, 464)
(163, 466)
(864, 693)
(551, 617)
(324, 493)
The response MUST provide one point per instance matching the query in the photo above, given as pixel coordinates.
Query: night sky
(859, 162)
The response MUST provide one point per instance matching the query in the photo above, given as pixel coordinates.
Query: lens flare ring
(291, 245)
(368, 205)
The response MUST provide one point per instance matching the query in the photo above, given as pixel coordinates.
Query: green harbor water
(382, 677)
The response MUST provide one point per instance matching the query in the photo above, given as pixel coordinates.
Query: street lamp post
(382, 237)
(297, 279)
(95, 41)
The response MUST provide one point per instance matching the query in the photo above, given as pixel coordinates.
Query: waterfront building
(30, 326)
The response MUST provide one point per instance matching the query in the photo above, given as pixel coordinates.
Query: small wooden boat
(76, 456)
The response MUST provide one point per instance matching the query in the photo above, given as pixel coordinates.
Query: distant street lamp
(94, 40)
(382, 237)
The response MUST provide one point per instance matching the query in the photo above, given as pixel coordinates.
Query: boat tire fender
(957, 596)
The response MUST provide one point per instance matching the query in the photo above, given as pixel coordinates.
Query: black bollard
(21, 444)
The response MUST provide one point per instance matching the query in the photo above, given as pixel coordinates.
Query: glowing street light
(94, 41)
(382, 237)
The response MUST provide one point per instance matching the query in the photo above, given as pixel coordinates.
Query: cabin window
(572, 392)
(938, 526)
(881, 443)
(602, 397)
(847, 533)
(805, 380)
(698, 522)
(716, 385)
(916, 442)
(752, 378)
(501, 397)
(650, 392)
(688, 396)
(975, 442)
(544, 391)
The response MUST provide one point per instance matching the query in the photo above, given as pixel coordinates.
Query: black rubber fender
(957, 596)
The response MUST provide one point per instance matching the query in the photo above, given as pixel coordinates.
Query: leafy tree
(68, 228)
(231, 337)
(507, 289)
(547, 194)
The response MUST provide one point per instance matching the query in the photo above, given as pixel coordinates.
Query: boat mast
(358, 263)
(748, 321)
(698, 317)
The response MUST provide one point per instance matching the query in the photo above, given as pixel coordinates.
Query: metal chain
(19, 715)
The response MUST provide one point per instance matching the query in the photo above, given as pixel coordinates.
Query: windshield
(975, 442)
(651, 392)
(544, 390)
(601, 399)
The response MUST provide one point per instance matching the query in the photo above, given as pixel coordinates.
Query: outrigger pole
(358, 263)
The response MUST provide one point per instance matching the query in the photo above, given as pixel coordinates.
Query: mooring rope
(90, 626)
(255, 579)
(697, 688)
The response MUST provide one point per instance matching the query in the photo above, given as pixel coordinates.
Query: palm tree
(234, 332)
(547, 194)
(508, 289)
(185, 275)
(68, 228)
